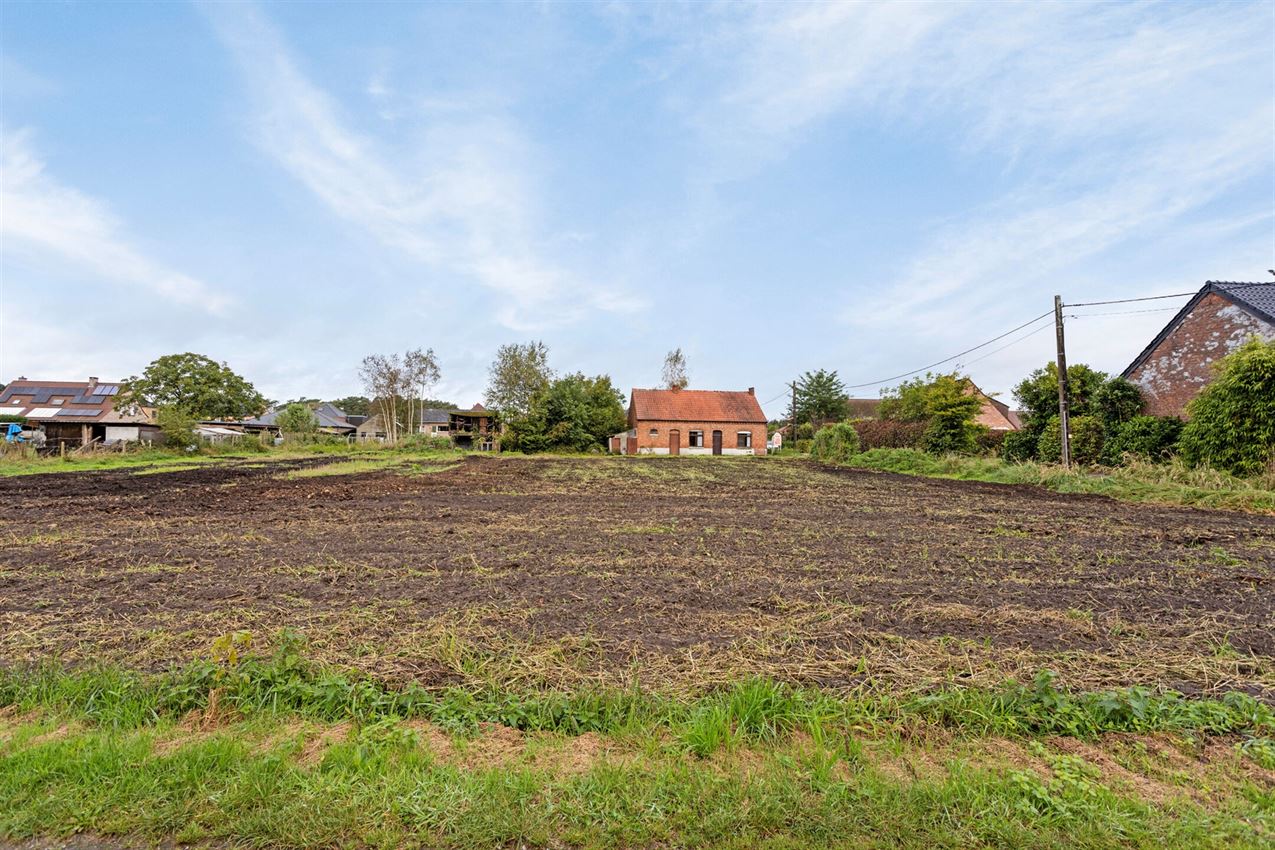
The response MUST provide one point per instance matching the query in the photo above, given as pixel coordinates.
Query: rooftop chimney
(92, 380)
(752, 391)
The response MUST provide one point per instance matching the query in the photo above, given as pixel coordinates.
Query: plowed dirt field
(678, 573)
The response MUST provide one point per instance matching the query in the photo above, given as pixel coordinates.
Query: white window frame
(748, 439)
(696, 439)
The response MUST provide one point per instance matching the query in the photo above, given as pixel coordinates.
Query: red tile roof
(695, 406)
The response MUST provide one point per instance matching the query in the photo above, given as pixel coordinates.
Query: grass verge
(275, 751)
(1166, 484)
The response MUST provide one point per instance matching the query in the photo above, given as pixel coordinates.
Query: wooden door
(717, 442)
(674, 442)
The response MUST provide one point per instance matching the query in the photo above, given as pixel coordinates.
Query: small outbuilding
(693, 422)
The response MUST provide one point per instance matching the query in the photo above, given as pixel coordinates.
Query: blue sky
(772, 187)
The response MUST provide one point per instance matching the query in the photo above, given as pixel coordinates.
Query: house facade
(1178, 363)
(76, 413)
(693, 422)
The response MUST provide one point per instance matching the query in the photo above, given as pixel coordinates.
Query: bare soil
(675, 572)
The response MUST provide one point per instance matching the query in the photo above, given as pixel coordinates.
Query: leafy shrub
(1086, 439)
(1232, 422)
(835, 443)
(990, 442)
(805, 431)
(1152, 438)
(1019, 446)
(804, 446)
(177, 426)
(297, 421)
(1116, 402)
(1049, 445)
(889, 433)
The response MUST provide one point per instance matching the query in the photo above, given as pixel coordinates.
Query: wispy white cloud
(458, 198)
(52, 222)
(1114, 122)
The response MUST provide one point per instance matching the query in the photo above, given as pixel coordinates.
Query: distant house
(329, 419)
(696, 422)
(474, 428)
(76, 413)
(1218, 319)
(436, 422)
(995, 415)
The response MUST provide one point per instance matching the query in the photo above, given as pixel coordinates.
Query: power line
(1121, 312)
(954, 356)
(1224, 287)
(1007, 345)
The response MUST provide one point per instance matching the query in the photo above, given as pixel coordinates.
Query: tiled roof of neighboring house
(436, 417)
(696, 406)
(1256, 298)
(64, 401)
(863, 408)
(327, 416)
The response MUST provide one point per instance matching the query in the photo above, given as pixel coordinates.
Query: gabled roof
(435, 416)
(326, 415)
(696, 406)
(1255, 298)
(64, 401)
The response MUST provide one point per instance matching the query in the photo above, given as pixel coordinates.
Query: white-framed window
(697, 439)
(744, 440)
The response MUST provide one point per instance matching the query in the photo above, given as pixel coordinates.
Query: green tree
(1037, 394)
(177, 426)
(517, 375)
(573, 413)
(354, 405)
(1231, 423)
(821, 397)
(1116, 402)
(195, 384)
(952, 405)
(297, 420)
(908, 402)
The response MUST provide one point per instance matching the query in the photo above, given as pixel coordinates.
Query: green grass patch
(275, 751)
(1167, 484)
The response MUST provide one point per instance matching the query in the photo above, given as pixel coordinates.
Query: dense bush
(805, 431)
(1049, 444)
(1116, 402)
(804, 446)
(889, 433)
(1086, 439)
(573, 413)
(177, 426)
(1232, 422)
(835, 443)
(1019, 446)
(1151, 438)
(990, 442)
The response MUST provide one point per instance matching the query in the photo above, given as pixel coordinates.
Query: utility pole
(1063, 417)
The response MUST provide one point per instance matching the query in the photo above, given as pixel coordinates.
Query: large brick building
(1178, 363)
(694, 422)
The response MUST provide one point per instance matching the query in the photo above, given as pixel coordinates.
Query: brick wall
(660, 442)
(1180, 366)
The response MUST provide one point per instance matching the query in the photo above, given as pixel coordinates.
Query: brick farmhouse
(693, 422)
(1178, 363)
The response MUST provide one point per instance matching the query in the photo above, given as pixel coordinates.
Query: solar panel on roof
(43, 413)
(105, 389)
(71, 411)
